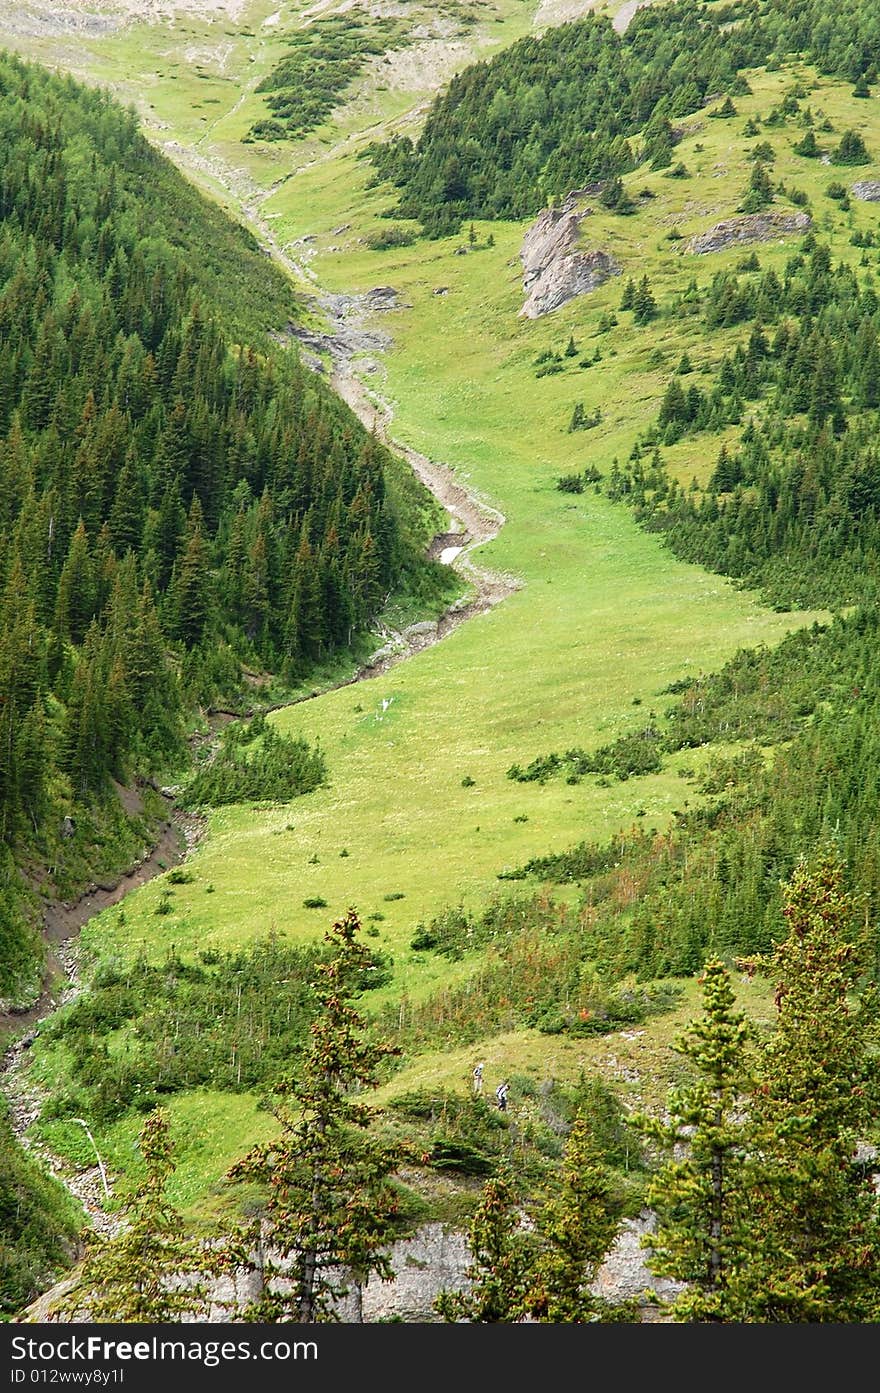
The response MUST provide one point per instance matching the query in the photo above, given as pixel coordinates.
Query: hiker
(478, 1079)
(501, 1095)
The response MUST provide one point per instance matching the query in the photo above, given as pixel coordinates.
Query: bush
(851, 150)
(178, 876)
(394, 236)
(570, 483)
(281, 767)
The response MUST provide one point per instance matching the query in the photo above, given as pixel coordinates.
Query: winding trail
(350, 334)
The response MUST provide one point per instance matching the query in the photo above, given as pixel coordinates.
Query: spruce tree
(498, 1273)
(576, 1229)
(135, 1275)
(330, 1205)
(644, 304)
(813, 1253)
(851, 150)
(698, 1194)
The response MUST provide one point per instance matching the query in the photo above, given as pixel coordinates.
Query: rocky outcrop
(868, 190)
(553, 271)
(751, 227)
(433, 1259)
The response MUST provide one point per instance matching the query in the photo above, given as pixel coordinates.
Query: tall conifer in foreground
(331, 1207)
(498, 1272)
(135, 1276)
(577, 1227)
(813, 1253)
(698, 1195)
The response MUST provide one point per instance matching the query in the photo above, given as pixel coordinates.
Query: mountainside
(644, 754)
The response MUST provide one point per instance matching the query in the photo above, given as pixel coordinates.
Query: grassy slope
(605, 616)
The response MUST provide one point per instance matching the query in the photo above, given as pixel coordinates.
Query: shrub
(394, 236)
(851, 150)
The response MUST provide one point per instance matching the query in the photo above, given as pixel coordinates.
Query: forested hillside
(176, 499)
(558, 112)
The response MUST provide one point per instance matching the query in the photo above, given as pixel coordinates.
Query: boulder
(553, 272)
(751, 227)
(868, 190)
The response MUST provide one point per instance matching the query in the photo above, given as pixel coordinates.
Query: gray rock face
(433, 1259)
(868, 190)
(553, 272)
(752, 227)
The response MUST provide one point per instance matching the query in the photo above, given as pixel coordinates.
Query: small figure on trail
(478, 1079)
(501, 1095)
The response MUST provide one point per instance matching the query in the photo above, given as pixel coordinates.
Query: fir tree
(813, 1251)
(644, 304)
(699, 1196)
(851, 150)
(330, 1207)
(576, 1229)
(760, 191)
(134, 1277)
(498, 1272)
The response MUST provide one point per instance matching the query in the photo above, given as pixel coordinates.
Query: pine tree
(576, 1230)
(330, 1209)
(808, 146)
(698, 1197)
(813, 1253)
(644, 304)
(76, 589)
(760, 191)
(851, 150)
(673, 408)
(133, 1277)
(498, 1273)
(191, 591)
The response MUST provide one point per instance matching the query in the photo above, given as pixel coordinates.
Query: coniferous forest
(179, 499)
(556, 113)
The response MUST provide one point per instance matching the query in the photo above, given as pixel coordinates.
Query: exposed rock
(433, 1259)
(553, 272)
(382, 297)
(752, 227)
(868, 190)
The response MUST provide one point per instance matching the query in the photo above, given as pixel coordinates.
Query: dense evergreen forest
(179, 498)
(558, 112)
(793, 507)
